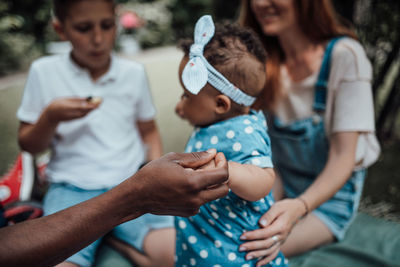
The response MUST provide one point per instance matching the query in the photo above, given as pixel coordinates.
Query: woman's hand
(276, 225)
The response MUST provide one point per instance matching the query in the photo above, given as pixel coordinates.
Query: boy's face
(90, 27)
(198, 110)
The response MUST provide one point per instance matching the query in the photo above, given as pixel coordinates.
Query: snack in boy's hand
(94, 100)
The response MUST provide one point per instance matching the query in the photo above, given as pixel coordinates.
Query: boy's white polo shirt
(103, 148)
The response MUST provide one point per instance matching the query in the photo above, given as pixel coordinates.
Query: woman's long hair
(318, 21)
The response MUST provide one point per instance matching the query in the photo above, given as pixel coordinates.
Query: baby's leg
(147, 241)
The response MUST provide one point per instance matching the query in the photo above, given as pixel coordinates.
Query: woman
(322, 136)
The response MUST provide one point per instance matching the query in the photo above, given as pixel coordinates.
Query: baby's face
(198, 109)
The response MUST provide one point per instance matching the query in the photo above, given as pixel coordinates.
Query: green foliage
(187, 12)
(157, 18)
(22, 28)
(377, 23)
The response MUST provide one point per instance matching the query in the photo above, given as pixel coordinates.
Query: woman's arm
(250, 182)
(337, 171)
(34, 138)
(284, 214)
(151, 137)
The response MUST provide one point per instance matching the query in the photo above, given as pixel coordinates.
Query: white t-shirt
(349, 104)
(103, 148)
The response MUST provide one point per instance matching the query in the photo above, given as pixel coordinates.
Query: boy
(95, 112)
(222, 72)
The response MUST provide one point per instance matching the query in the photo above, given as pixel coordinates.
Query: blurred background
(148, 32)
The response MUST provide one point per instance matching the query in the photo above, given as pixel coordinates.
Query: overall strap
(322, 83)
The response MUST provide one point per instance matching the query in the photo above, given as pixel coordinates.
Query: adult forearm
(49, 240)
(328, 183)
(173, 185)
(337, 171)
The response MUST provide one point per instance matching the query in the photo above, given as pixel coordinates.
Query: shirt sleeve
(32, 103)
(256, 144)
(260, 156)
(353, 108)
(145, 107)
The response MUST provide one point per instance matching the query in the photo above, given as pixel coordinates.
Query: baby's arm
(249, 181)
(151, 137)
(36, 137)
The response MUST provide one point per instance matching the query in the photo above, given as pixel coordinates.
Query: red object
(22, 211)
(129, 20)
(18, 182)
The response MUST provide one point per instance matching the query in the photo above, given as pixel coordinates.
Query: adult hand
(276, 224)
(172, 184)
(65, 109)
(175, 184)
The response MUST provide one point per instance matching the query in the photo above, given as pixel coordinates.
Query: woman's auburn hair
(318, 21)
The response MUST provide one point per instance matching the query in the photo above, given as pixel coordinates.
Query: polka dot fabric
(242, 139)
(211, 238)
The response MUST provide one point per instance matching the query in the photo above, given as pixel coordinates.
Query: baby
(219, 62)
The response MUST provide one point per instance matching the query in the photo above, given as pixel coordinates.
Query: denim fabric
(300, 152)
(61, 196)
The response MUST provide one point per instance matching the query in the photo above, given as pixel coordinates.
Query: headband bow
(198, 71)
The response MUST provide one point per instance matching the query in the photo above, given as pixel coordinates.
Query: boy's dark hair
(61, 7)
(238, 54)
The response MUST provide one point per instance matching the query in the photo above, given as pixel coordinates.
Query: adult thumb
(195, 159)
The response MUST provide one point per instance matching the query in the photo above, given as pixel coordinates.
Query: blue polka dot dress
(211, 238)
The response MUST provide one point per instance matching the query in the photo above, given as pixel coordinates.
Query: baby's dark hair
(238, 54)
(61, 7)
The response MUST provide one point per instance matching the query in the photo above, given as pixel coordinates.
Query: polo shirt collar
(109, 76)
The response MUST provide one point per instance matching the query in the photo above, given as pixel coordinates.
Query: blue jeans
(61, 196)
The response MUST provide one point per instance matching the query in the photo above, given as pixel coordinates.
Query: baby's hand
(212, 164)
(65, 109)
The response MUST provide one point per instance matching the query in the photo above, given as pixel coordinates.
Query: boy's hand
(65, 109)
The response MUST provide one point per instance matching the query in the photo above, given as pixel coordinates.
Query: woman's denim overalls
(300, 151)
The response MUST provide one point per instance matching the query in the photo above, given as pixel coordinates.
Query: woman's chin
(270, 31)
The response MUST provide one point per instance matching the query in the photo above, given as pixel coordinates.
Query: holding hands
(176, 184)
